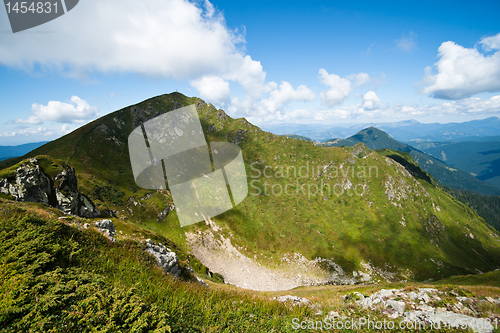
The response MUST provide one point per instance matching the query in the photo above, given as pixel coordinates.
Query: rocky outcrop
(107, 228)
(427, 306)
(164, 213)
(31, 183)
(168, 260)
(87, 208)
(236, 136)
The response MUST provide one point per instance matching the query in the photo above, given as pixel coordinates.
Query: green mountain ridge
(352, 208)
(444, 173)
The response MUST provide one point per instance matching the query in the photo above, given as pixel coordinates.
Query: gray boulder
(107, 228)
(166, 259)
(399, 306)
(294, 300)
(69, 199)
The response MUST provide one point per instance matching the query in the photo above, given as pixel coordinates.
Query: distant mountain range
(298, 137)
(479, 158)
(7, 152)
(447, 175)
(406, 131)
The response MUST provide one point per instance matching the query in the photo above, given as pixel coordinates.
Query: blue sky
(322, 62)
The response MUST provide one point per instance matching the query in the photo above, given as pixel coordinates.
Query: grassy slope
(486, 279)
(62, 278)
(59, 278)
(347, 228)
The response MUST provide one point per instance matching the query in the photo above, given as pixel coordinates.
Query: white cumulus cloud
(491, 43)
(77, 111)
(179, 39)
(463, 72)
(213, 89)
(359, 79)
(285, 93)
(168, 38)
(370, 101)
(28, 131)
(339, 88)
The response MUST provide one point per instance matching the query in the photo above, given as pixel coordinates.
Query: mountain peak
(372, 134)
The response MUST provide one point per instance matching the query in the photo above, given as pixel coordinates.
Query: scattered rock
(333, 315)
(197, 279)
(107, 228)
(294, 300)
(416, 307)
(236, 136)
(391, 313)
(399, 306)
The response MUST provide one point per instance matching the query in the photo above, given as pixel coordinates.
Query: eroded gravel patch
(220, 256)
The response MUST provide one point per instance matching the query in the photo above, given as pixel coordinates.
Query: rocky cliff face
(31, 183)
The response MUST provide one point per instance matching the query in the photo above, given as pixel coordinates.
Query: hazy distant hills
(447, 175)
(479, 158)
(406, 131)
(14, 151)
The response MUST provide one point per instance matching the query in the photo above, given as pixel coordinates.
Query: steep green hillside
(362, 210)
(488, 207)
(444, 173)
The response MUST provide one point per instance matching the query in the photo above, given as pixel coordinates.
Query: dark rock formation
(31, 184)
